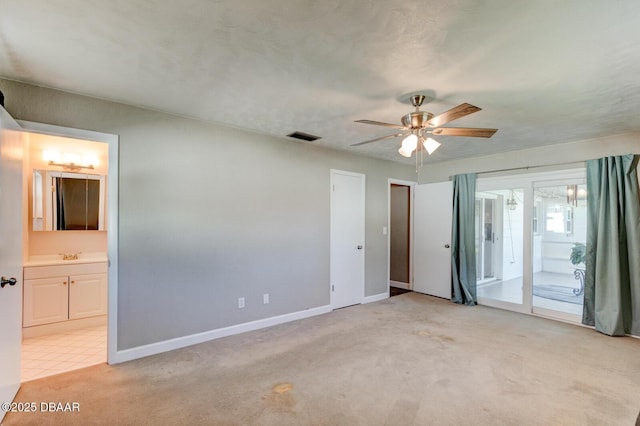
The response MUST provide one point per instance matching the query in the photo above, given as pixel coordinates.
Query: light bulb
(90, 160)
(405, 152)
(51, 156)
(431, 145)
(71, 157)
(410, 143)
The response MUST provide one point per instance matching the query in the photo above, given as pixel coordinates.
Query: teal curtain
(612, 279)
(463, 246)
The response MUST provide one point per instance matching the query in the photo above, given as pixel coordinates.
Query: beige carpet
(411, 359)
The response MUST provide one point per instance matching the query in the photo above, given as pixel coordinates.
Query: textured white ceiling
(543, 71)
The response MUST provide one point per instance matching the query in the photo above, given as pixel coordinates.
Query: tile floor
(511, 291)
(57, 353)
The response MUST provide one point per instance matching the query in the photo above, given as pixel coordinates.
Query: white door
(347, 238)
(433, 213)
(11, 148)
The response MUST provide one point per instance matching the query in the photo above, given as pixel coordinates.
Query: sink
(65, 258)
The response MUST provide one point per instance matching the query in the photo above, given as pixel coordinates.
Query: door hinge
(333, 188)
(332, 288)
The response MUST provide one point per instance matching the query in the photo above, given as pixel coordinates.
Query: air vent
(303, 136)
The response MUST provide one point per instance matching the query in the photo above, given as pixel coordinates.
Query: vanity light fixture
(70, 161)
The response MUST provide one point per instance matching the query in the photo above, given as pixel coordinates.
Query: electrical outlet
(265, 299)
(240, 302)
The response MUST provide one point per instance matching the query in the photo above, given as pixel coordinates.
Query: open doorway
(68, 237)
(400, 239)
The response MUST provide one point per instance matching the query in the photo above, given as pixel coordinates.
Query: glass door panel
(559, 236)
(499, 246)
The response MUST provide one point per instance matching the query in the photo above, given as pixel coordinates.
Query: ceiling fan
(417, 125)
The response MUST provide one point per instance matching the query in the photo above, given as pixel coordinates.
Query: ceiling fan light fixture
(431, 145)
(409, 144)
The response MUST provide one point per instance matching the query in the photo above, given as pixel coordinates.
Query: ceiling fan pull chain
(420, 143)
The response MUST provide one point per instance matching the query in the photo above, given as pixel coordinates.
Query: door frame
(411, 185)
(112, 142)
(363, 180)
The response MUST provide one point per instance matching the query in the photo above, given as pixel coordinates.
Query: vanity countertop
(56, 259)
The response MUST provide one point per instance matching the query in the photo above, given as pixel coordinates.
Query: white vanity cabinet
(64, 292)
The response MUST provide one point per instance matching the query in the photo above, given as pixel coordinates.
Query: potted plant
(578, 253)
(577, 258)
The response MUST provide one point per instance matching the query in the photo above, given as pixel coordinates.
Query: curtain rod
(529, 167)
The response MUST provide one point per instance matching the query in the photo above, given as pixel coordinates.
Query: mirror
(67, 201)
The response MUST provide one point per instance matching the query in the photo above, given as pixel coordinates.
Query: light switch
(384, 230)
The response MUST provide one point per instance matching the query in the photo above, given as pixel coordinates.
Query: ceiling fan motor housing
(417, 119)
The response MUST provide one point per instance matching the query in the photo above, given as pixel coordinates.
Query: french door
(530, 230)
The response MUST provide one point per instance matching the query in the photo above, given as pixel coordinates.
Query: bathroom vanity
(60, 291)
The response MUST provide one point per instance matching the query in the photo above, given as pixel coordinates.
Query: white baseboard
(375, 298)
(398, 284)
(194, 339)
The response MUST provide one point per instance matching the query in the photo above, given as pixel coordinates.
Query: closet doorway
(400, 229)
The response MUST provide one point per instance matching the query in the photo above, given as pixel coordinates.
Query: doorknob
(447, 246)
(10, 281)
(359, 247)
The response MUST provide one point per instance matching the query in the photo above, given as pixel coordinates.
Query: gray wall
(209, 213)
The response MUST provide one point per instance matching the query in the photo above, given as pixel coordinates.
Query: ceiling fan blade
(378, 139)
(379, 123)
(453, 114)
(463, 131)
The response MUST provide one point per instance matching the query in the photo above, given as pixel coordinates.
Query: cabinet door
(46, 300)
(87, 295)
